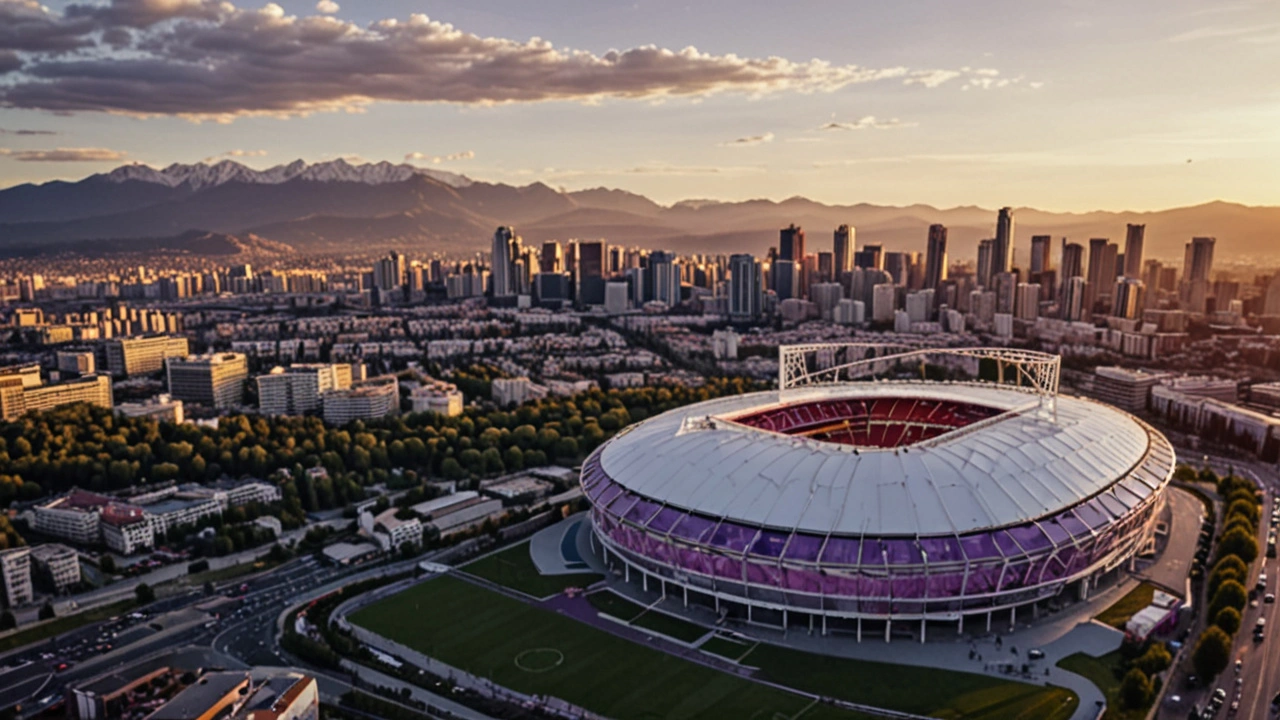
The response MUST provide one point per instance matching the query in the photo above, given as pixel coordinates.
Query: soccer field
(540, 652)
(537, 651)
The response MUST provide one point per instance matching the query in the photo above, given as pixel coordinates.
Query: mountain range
(333, 206)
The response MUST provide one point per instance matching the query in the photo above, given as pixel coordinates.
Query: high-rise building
(590, 257)
(1133, 241)
(506, 249)
(786, 279)
(665, 272)
(1271, 301)
(1127, 300)
(214, 380)
(791, 244)
(297, 390)
(130, 356)
(1002, 249)
(1073, 298)
(898, 265)
(746, 288)
(884, 302)
(1072, 260)
(1198, 260)
(552, 258)
(1041, 260)
(389, 272)
(1028, 301)
(1102, 271)
(826, 268)
(870, 257)
(1196, 268)
(986, 248)
(935, 264)
(826, 296)
(843, 247)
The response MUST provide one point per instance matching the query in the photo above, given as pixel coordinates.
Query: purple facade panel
(803, 548)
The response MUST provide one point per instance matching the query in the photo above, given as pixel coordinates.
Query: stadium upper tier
(951, 459)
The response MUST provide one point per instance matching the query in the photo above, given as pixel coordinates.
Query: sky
(1074, 105)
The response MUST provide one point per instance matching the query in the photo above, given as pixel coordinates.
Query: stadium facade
(840, 503)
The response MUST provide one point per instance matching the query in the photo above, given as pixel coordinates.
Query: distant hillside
(326, 207)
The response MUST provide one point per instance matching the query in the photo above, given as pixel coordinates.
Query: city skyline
(867, 106)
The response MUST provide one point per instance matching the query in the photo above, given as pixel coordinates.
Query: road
(1258, 678)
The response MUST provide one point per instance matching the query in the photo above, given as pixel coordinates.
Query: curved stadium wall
(871, 558)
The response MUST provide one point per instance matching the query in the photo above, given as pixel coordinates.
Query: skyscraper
(1072, 260)
(589, 275)
(935, 267)
(1198, 260)
(746, 287)
(870, 257)
(502, 261)
(1073, 297)
(1002, 249)
(1196, 267)
(552, 260)
(826, 268)
(1041, 260)
(388, 273)
(1102, 271)
(1127, 299)
(1133, 239)
(985, 249)
(843, 249)
(665, 272)
(791, 244)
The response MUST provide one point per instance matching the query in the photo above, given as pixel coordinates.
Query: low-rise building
(390, 531)
(23, 391)
(181, 511)
(126, 529)
(364, 400)
(162, 408)
(57, 565)
(73, 517)
(437, 396)
(1125, 388)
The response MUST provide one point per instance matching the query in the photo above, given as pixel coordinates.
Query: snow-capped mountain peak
(200, 176)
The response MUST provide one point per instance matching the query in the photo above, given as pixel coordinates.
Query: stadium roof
(1023, 465)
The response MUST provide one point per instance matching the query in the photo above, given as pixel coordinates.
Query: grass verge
(1102, 672)
(57, 626)
(1124, 608)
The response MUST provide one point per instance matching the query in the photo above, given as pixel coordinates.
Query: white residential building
(298, 389)
(437, 396)
(58, 564)
(364, 400)
(15, 573)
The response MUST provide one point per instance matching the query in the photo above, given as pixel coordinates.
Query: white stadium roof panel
(1026, 463)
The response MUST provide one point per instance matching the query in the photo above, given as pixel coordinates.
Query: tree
(1184, 473)
(1229, 567)
(1228, 618)
(144, 593)
(1135, 689)
(1239, 542)
(107, 564)
(46, 611)
(1243, 508)
(1212, 653)
(1230, 594)
(1155, 660)
(7, 620)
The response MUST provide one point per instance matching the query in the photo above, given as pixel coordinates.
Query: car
(1219, 694)
(1253, 603)
(1239, 664)
(1239, 680)
(1035, 654)
(1269, 598)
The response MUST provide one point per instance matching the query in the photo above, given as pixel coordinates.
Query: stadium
(868, 494)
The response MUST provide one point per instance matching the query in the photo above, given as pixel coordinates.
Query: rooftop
(196, 701)
(1025, 463)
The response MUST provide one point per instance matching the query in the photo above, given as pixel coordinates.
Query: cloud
(65, 155)
(9, 62)
(437, 159)
(749, 140)
(235, 154)
(3, 131)
(327, 7)
(208, 59)
(867, 122)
